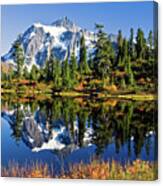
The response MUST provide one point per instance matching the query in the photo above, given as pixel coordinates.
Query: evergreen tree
(66, 80)
(155, 58)
(129, 71)
(140, 44)
(34, 73)
(57, 72)
(18, 58)
(150, 40)
(126, 59)
(83, 65)
(82, 118)
(150, 47)
(46, 71)
(17, 127)
(124, 50)
(26, 74)
(42, 74)
(73, 69)
(155, 45)
(131, 44)
(49, 68)
(120, 44)
(91, 62)
(104, 54)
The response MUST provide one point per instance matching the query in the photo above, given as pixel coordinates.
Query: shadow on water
(66, 130)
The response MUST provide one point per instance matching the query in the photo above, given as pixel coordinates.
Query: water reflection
(67, 125)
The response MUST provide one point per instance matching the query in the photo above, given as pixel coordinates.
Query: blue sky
(15, 19)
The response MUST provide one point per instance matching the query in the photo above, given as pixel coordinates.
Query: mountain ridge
(62, 37)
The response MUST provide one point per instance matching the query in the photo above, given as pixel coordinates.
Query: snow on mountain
(38, 134)
(60, 37)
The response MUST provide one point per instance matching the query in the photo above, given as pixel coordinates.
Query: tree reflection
(17, 127)
(123, 123)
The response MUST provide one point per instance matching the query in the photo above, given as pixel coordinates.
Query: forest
(128, 67)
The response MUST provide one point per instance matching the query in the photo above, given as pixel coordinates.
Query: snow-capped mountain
(61, 37)
(38, 134)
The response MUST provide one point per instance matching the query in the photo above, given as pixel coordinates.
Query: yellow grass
(138, 170)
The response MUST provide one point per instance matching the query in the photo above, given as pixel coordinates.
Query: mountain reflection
(69, 124)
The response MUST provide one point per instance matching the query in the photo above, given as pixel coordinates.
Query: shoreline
(73, 94)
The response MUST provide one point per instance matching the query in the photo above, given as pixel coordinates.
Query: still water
(64, 131)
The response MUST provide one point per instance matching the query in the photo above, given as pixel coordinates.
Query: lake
(64, 131)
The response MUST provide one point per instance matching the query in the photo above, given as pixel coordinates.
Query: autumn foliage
(138, 170)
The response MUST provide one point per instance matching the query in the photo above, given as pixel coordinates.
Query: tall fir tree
(150, 46)
(26, 74)
(18, 58)
(49, 67)
(91, 62)
(124, 51)
(131, 44)
(34, 73)
(150, 40)
(57, 73)
(83, 65)
(66, 79)
(120, 44)
(129, 71)
(104, 54)
(140, 44)
(73, 69)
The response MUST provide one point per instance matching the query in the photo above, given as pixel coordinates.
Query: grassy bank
(34, 94)
(95, 89)
(138, 170)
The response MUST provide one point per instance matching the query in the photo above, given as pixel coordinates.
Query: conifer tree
(83, 65)
(120, 44)
(140, 44)
(131, 44)
(155, 58)
(46, 71)
(18, 58)
(26, 74)
(66, 80)
(49, 68)
(34, 73)
(91, 62)
(150, 43)
(42, 74)
(73, 69)
(129, 71)
(57, 73)
(104, 54)
(150, 40)
(82, 118)
(124, 50)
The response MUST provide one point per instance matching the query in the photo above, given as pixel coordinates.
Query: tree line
(131, 63)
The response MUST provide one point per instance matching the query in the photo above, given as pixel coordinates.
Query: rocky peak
(67, 23)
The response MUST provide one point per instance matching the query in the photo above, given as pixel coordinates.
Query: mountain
(38, 133)
(61, 37)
